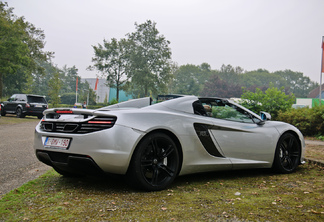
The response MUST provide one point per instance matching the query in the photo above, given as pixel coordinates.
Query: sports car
(152, 144)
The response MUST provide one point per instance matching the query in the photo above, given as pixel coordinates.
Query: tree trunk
(1, 84)
(117, 93)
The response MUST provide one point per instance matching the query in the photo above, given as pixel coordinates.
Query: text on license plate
(55, 142)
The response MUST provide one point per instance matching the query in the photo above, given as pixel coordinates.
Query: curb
(316, 162)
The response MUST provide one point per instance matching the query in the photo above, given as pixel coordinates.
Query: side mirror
(265, 116)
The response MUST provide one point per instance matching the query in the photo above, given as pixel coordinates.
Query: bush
(272, 100)
(310, 121)
(68, 98)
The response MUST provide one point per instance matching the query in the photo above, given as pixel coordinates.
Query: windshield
(36, 99)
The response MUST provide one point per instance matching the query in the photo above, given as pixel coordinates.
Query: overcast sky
(269, 34)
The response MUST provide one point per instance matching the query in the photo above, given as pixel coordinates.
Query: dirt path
(18, 163)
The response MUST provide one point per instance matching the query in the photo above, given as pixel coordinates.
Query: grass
(251, 195)
(315, 152)
(12, 119)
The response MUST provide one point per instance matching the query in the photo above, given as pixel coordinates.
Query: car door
(11, 104)
(240, 139)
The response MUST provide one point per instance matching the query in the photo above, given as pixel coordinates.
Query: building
(315, 93)
(103, 90)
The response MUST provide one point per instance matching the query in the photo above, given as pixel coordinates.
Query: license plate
(38, 105)
(54, 142)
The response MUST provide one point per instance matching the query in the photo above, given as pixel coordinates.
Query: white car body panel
(234, 145)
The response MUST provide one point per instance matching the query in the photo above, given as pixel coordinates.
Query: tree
(38, 82)
(229, 73)
(149, 60)
(272, 100)
(69, 76)
(296, 82)
(186, 80)
(220, 88)
(21, 45)
(111, 60)
(189, 79)
(54, 89)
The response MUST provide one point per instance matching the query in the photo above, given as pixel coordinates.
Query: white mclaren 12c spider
(154, 143)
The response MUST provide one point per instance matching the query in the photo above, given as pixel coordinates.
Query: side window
(13, 98)
(222, 109)
(20, 97)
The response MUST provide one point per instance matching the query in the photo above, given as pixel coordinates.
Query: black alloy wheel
(287, 154)
(155, 163)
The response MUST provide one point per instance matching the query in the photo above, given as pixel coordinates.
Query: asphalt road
(18, 163)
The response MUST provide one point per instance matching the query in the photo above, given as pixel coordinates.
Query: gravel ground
(18, 163)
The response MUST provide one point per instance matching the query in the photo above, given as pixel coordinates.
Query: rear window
(35, 99)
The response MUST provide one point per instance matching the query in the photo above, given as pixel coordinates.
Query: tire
(19, 113)
(155, 163)
(3, 113)
(287, 154)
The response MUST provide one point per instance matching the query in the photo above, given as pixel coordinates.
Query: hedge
(310, 121)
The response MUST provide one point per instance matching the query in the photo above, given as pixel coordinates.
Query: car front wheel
(155, 163)
(287, 154)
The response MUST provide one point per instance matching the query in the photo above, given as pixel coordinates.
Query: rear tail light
(96, 124)
(27, 105)
(64, 111)
(100, 122)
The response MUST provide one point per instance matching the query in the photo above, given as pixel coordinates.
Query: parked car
(153, 144)
(24, 105)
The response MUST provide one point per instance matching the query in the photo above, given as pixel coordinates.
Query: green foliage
(69, 76)
(54, 89)
(189, 79)
(228, 81)
(68, 98)
(223, 112)
(21, 50)
(111, 60)
(272, 100)
(113, 101)
(149, 66)
(310, 121)
(219, 88)
(106, 99)
(230, 74)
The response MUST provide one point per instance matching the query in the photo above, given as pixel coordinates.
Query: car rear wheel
(19, 113)
(3, 113)
(287, 154)
(155, 163)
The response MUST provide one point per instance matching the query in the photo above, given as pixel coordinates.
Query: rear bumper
(109, 150)
(33, 112)
(72, 163)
